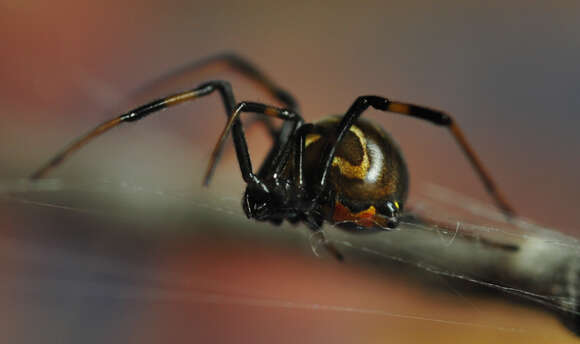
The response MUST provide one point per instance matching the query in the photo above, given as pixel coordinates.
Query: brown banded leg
(225, 91)
(294, 120)
(243, 67)
(437, 117)
(238, 64)
(249, 70)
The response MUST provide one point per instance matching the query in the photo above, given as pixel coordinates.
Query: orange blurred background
(508, 73)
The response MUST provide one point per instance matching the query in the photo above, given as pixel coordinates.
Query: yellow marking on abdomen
(354, 171)
(311, 138)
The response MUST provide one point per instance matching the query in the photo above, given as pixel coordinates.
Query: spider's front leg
(236, 62)
(223, 87)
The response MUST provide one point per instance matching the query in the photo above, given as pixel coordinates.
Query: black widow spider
(342, 169)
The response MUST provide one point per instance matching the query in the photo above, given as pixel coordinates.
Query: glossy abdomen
(367, 168)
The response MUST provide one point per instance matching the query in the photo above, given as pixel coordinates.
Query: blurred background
(101, 254)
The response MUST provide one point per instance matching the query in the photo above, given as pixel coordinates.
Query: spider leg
(278, 153)
(223, 87)
(436, 117)
(238, 64)
(234, 61)
(243, 67)
(249, 70)
(299, 149)
(294, 120)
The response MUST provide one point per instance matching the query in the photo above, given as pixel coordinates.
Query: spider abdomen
(367, 170)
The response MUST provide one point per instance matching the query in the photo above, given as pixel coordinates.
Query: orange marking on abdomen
(365, 218)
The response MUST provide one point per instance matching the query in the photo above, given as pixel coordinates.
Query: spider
(342, 169)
